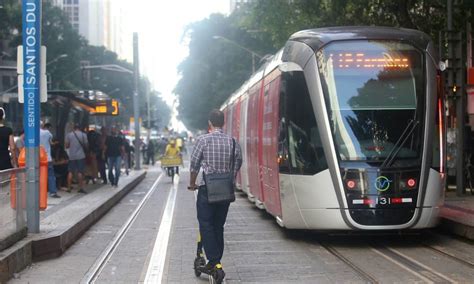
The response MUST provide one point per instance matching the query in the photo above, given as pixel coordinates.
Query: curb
(456, 228)
(35, 248)
(13, 238)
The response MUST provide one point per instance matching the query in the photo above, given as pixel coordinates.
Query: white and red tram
(344, 129)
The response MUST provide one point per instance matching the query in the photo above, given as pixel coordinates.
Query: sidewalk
(457, 215)
(63, 222)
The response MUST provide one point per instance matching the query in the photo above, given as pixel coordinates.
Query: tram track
(415, 267)
(96, 269)
(418, 269)
(361, 272)
(449, 255)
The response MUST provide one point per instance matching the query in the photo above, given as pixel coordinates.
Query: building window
(6, 82)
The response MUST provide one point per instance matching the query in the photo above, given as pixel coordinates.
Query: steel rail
(451, 256)
(365, 275)
(95, 270)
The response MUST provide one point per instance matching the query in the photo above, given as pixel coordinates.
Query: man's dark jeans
(211, 219)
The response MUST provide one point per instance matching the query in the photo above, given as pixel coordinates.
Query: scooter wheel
(198, 262)
(197, 272)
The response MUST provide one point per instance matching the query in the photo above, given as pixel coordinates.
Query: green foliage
(213, 70)
(61, 39)
(10, 19)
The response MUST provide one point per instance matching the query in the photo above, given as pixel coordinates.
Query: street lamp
(3, 54)
(57, 58)
(14, 68)
(254, 54)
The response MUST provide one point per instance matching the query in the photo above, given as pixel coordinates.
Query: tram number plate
(382, 200)
(393, 200)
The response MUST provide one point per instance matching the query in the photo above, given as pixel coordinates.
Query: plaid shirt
(212, 152)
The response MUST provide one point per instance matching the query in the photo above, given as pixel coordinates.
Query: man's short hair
(216, 117)
(47, 125)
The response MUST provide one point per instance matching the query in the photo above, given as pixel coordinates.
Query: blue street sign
(31, 70)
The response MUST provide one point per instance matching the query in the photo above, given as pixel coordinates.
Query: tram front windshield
(374, 96)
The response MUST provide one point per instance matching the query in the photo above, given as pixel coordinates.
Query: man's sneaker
(54, 195)
(82, 191)
(218, 273)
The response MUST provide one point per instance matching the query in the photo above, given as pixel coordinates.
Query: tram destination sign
(109, 107)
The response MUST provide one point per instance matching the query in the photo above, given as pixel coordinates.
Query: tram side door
(252, 143)
(236, 129)
(270, 175)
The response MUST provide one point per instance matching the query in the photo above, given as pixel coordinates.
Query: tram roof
(317, 38)
(85, 99)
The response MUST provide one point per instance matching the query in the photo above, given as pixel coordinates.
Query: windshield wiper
(412, 124)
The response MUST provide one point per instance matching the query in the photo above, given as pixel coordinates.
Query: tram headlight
(408, 184)
(351, 184)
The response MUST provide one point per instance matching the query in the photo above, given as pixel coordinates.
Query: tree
(61, 38)
(212, 71)
(10, 19)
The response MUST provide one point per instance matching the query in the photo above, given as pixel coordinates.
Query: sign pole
(136, 111)
(31, 32)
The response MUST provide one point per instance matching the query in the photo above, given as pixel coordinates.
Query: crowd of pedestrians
(83, 157)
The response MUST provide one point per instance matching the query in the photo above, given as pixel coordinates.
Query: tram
(344, 129)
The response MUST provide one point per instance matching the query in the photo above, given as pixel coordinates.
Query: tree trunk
(403, 16)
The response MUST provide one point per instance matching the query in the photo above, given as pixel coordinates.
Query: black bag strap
(82, 145)
(232, 164)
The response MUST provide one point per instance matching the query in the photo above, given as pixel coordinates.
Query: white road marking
(158, 258)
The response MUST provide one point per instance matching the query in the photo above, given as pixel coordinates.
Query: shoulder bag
(220, 186)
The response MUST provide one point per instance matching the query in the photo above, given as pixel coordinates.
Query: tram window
(300, 147)
(373, 92)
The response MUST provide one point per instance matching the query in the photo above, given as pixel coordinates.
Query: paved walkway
(457, 215)
(256, 248)
(63, 222)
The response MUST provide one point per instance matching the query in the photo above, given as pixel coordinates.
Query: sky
(160, 25)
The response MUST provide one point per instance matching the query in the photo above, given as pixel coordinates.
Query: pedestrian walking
(46, 139)
(150, 152)
(114, 151)
(101, 158)
(60, 164)
(20, 142)
(217, 154)
(8, 158)
(128, 155)
(76, 143)
(92, 170)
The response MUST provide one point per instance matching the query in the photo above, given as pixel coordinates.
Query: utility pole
(147, 90)
(135, 100)
(456, 87)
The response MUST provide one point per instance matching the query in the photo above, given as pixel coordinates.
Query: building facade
(99, 21)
